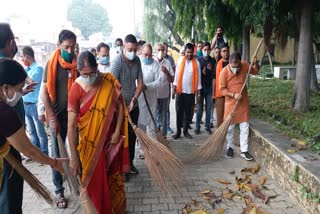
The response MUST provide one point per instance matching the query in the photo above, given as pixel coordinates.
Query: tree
(89, 17)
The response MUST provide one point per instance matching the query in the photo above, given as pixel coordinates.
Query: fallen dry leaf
(301, 142)
(228, 195)
(187, 208)
(246, 187)
(202, 211)
(253, 210)
(207, 191)
(267, 199)
(221, 181)
(207, 198)
(221, 211)
(291, 150)
(263, 180)
(232, 172)
(194, 202)
(252, 169)
(247, 200)
(256, 191)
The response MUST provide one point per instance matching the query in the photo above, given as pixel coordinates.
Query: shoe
(169, 130)
(201, 122)
(197, 131)
(208, 130)
(230, 153)
(126, 177)
(211, 125)
(176, 136)
(187, 135)
(246, 156)
(189, 127)
(133, 170)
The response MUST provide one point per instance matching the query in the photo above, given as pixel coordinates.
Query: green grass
(270, 101)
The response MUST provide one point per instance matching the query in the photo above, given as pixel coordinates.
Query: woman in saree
(97, 114)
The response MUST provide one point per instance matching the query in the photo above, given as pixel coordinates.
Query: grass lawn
(270, 101)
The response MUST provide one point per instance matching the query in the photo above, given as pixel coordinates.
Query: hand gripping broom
(214, 144)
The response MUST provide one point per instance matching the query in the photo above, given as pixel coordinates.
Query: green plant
(295, 175)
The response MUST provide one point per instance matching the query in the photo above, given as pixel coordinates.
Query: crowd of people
(87, 100)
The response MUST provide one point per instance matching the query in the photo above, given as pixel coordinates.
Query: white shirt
(187, 78)
(104, 68)
(163, 90)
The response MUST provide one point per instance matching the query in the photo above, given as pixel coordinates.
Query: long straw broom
(164, 167)
(214, 144)
(34, 183)
(160, 137)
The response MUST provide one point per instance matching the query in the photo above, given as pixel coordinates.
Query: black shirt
(9, 122)
(206, 79)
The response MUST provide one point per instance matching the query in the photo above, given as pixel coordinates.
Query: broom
(160, 138)
(34, 183)
(164, 167)
(214, 144)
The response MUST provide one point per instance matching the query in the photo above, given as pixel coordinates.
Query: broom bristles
(34, 183)
(72, 181)
(164, 167)
(161, 139)
(213, 146)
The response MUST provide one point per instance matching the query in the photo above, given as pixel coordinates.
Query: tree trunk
(301, 98)
(246, 43)
(314, 81)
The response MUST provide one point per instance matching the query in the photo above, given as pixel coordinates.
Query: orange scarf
(218, 70)
(194, 72)
(52, 72)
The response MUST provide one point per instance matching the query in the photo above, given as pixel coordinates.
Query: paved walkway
(144, 198)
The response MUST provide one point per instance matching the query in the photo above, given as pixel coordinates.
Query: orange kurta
(233, 83)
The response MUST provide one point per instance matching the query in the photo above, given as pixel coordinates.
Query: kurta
(152, 80)
(233, 83)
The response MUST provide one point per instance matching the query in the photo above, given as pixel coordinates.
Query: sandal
(61, 201)
(141, 156)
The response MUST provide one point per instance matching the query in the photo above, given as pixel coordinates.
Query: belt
(29, 103)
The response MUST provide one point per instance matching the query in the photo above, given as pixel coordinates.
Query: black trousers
(184, 108)
(134, 114)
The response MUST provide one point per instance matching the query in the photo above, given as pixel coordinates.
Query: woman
(12, 133)
(96, 110)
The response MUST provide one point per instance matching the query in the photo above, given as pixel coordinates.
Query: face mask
(67, 56)
(104, 60)
(119, 49)
(14, 100)
(130, 55)
(89, 80)
(234, 70)
(160, 55)
(205, 53)
(146, 61)
(199, 53)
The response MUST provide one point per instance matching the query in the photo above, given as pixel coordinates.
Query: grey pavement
(144, 198)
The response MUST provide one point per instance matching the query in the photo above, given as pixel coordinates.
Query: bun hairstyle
(11, 72)
(86, 59)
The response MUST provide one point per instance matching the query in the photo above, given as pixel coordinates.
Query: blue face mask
(89, 80)
(146, 61)
(104, 60)
(130, 55)
(67, 56)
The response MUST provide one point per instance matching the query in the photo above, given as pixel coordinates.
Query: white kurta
(152, 80)
(104, 68)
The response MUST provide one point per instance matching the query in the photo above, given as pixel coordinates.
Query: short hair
(28, 51)
(92, 50)
(102, 45)
(67, 34)
(157, 45)
(200, 42)
(207, 44)
(225, 45)
(220, 27)
(119, 40)
(165, 44)
(235, 55)
(147, 45)
(141, 43)
(189, 46)
(6, 34)
(86, 58)
(11, 72)
(130, 39)
(217, 48)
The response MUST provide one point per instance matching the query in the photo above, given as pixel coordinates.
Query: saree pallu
(96, 126)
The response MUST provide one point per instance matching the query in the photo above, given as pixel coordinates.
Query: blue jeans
(162, 114)
(206, 94)
(56, 176)
(35, 127)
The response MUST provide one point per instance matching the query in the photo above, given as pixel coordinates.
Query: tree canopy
(89, 18)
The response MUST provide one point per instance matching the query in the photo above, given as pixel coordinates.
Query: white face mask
(205, 53)
(234, 70)
(14, 100)
(130, 55)
(160, 55)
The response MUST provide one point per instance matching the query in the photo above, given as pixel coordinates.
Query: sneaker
(246, 156)
(230, 153)
(176, 136)
(187, 135)
(133, 170)
(208, 130)
(197, 131)
(169, 130)
(211, 125)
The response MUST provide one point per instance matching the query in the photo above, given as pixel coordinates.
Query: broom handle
(248, 74)
(153, 120)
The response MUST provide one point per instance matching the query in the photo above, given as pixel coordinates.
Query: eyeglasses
(88, 75)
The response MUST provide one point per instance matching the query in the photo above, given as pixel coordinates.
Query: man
(168, 57)
(232, 78)
(215, 85)
(119, 44)
(94, 52)
(126, 67)
(199, 49)
(167, 76)
(58, 77)
(187, 83)
(104, 57)
(35, 127)
(207, 64)
(217, 54)
(219, 39)
(139, 47)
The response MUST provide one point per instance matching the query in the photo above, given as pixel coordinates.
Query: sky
(43, 19)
